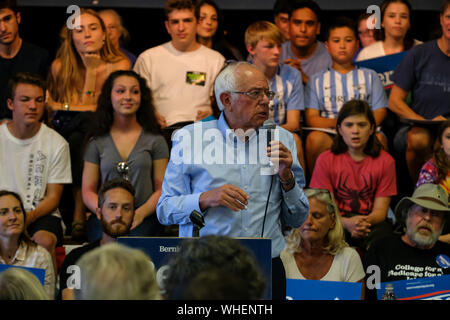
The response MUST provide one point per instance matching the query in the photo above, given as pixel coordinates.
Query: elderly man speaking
(217, 168)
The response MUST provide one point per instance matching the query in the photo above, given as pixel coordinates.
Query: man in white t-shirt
(181, 72)
(35, 160)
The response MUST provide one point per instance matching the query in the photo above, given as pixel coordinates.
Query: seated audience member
(360, 174)
(424, 216)
(16, 55)
(16, 248)
(209, 253)
(117, 33)
(365, 35)
(210, 31)
(232, 195)
(126, 133)
(317, 250)
(20, 284)
(281, 17)
(425, 71)
(263, 41)
(35, 160)
(304, 52)
(115, 210)
(329, 90)
(437, 169)
(83, 62)
(395, 33)
(116, 272)
(181, 66)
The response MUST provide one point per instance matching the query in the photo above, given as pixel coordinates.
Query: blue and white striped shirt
(327, 91)
(288, 86)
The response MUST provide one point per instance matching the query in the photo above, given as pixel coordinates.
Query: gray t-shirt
(319, 61)
(103, 152)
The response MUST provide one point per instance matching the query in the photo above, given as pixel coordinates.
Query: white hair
(226, 80)
(116, 272)
(20, 284)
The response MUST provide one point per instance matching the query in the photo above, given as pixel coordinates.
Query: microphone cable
(267, 205)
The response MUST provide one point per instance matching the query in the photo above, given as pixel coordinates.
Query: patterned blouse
(429, 174)
(35, 257)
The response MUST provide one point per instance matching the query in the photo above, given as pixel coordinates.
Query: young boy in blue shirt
(327, 91)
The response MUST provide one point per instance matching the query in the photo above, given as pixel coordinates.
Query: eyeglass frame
(267, 92)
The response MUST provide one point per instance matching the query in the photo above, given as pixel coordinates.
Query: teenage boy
(181, 72)
(16, 55)
(263, 41)
(304, 52)
(35, 160)
(281, 17)
(327, 91)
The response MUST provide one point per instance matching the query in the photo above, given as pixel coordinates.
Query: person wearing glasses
(418, 252)
(360, 174)
(317, 250)
(225, 174)
(125, 143)
(263, 41)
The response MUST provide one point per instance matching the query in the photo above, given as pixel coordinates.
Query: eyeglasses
(422, 212)
(257, 94)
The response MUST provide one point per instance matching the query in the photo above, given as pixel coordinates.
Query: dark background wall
(144, 19)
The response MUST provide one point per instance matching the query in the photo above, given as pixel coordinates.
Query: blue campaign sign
(297, 289)
(161, 249)
(39, 273)
(384, 66)
(432, 288)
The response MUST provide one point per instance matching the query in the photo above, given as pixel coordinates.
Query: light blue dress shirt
(196, 173)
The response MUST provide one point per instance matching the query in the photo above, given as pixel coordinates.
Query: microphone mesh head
(269, 124)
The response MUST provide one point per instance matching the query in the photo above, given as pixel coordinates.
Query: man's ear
(18, 17)
(98, 213)
(318, 28)
(9, 103)
(226, 99)
(166, 23)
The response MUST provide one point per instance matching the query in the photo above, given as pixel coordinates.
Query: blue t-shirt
(319, 61)
(327, 91)
(425, 71)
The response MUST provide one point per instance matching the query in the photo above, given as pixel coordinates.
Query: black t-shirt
(399, 261)
(71, 259)
(30, 58)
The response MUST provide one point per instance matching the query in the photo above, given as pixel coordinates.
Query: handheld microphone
(269, 125)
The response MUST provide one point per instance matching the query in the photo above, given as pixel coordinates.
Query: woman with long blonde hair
(83, 62)
(317, 250)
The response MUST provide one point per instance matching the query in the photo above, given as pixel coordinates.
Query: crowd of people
(120, 131)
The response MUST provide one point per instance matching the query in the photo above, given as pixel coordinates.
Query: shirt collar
(20, 254)
(228, 133)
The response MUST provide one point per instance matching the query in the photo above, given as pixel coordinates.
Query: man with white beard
(417, 253)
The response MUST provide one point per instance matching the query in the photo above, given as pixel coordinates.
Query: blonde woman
(83, 62)
(317, 250)
(20, 284)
